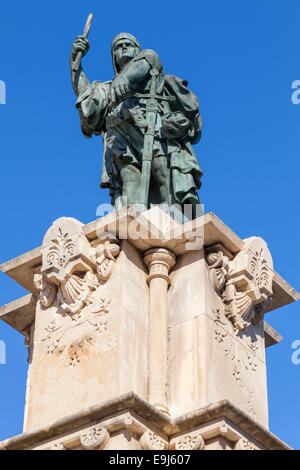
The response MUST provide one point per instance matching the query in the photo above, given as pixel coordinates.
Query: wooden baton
(85, 35)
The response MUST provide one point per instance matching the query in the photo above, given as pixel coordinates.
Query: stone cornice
(155, 229)
(144, 410)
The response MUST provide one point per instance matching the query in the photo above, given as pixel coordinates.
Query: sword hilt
(154, 73)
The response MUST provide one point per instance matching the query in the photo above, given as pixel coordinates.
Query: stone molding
(130, 411)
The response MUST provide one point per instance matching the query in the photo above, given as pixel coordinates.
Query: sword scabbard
(151, 114)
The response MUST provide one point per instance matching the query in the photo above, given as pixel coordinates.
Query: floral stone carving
(68, 266)
(245, 283)
(190, 442)
(71, 278)
(70, 336)
(244, 444)
(95, 438)
(243, 365)
(66, 250)
(152, 441)
(71, 268)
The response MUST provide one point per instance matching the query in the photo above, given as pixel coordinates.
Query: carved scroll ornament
(244, 283)
(106, 254)
(47, 290)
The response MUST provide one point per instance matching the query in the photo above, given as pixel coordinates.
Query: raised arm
(78, 77)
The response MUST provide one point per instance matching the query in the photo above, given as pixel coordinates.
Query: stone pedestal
(145, 334)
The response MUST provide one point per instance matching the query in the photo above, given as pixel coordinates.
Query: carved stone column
(159, 262)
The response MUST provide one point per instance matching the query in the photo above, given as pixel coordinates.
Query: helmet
(116, 39)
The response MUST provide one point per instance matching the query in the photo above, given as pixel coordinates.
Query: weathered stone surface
(136, 302)
(20, 313)
(127, 418)
(271, 336)
(91, 356)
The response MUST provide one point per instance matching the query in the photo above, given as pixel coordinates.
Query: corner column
(159, 261)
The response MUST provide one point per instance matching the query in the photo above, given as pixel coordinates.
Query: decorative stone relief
(106, 254)
(58, 446)
(190, 442)
(220, 333)
(152, 441)
(244, 444)
(71, 278)
(243, 364)
(66, 250)
(218, 265)
(27, 342)
(95, 438)
(250, 361)
(72, 335)
(71, 268)
(75, 293)
(245, 283)
(47, 290)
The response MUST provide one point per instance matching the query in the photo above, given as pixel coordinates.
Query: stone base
(167, 317)
(130, 423)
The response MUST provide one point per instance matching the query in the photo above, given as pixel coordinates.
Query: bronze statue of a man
(142, 114)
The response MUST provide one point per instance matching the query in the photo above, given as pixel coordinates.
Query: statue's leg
(162, 176)
(131, 179)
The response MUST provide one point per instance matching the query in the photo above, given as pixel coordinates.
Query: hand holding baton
(85, 35)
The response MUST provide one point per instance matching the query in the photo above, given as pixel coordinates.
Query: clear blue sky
(240, 58)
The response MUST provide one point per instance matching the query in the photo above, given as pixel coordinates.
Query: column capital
(159, 261)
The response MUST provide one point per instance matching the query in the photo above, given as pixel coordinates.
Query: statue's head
(123, 49)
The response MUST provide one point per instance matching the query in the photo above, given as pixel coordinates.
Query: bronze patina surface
(149, 122)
